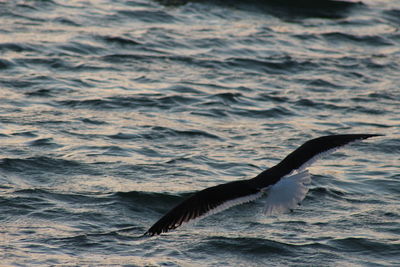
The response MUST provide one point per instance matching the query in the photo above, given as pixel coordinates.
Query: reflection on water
(112, 113)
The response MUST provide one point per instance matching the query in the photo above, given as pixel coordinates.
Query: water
(112, 112)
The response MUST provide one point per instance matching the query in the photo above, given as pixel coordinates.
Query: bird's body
(285, 185)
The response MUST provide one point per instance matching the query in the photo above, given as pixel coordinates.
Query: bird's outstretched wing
(284, 189)
(204, 203)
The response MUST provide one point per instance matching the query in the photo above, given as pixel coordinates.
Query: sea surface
(112, 112)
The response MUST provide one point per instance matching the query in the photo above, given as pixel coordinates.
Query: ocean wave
(18, 47)
(284, 65)
(120, 41)
(245, 245)
(147, 15)
(366, 39)
(135, 102)
(114, 112)
(5, 64)
(42, 165)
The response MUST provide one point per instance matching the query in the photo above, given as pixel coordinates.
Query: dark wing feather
(201, 203)
(313, 147)
(304, 155)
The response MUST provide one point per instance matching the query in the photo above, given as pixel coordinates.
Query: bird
(285, 186)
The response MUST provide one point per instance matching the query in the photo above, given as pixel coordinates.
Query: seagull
(285, 186)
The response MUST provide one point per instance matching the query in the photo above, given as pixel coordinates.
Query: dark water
(111, 112)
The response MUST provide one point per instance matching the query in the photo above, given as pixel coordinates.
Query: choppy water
(112, 112)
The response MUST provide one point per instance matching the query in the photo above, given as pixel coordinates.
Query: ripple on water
(155, 101)
(113, 113)
(42, 166)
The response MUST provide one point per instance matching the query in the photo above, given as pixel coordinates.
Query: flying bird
(285, 186)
